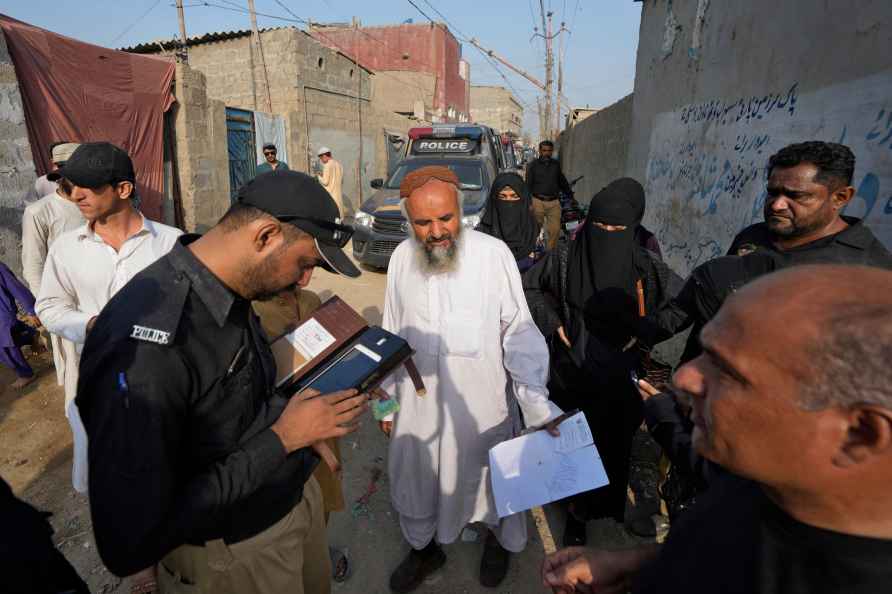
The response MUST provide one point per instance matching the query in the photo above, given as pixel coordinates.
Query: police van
(473, 152)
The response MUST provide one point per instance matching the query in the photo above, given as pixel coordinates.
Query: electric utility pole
(182, 17)
(255, 34)
(535, 81)
(560, 83)
(549, 70)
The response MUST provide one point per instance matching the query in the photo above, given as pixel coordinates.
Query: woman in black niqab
(512, 221)
(603, 265)
(584, 296)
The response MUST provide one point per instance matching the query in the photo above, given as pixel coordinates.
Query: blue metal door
(242, 155)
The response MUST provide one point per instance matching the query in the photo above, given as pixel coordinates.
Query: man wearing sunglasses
(85, 266)
(198, 468)
(272, 163)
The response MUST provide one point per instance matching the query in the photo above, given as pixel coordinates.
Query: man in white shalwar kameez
(86, 266)
(456, 297)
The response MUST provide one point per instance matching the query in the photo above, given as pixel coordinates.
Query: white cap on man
(61, 152)
(323, 151)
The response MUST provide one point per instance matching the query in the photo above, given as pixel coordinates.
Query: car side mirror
(377, 183)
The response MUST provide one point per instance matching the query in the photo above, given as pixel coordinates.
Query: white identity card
(536, 468)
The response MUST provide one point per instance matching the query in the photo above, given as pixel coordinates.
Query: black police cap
(299, 199)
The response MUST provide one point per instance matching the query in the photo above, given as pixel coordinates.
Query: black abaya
(593, 281)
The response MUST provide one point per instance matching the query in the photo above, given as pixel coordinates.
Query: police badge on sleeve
(150, 335)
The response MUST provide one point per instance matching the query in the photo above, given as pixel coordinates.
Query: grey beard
(438, 260)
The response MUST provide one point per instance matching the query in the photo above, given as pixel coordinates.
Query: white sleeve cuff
(536, 407)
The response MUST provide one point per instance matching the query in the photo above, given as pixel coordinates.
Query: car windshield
(469, 174)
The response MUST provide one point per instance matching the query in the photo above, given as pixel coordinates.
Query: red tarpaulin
(78, 92)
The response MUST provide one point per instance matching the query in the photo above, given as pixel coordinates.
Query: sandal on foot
(340, 565)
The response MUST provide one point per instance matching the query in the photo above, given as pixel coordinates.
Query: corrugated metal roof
(150, 47)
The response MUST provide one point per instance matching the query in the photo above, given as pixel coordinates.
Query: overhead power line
(414, 86)
(466, 39)
(421, 11)
(298, 19)
(136, 22)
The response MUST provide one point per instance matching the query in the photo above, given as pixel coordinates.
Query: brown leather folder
(316, 345)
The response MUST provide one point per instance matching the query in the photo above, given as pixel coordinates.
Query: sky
(600, 48)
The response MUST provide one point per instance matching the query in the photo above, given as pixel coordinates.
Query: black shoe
(416, 567)
(494, 563)
(574, 532)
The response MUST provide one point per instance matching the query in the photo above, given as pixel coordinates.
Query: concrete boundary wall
(17, 173)
(721, 84)
(202, 158)
(597, 148)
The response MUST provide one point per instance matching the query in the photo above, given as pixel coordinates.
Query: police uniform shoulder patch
(150, 334)
(155, 307)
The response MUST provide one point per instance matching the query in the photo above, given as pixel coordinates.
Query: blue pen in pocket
(123, 388)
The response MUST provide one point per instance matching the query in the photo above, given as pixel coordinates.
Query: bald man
(793, 396)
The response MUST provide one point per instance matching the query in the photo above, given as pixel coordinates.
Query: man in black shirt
(809, 185)
(701, 297)
(792, 395)
(546, 182)
(196, 464)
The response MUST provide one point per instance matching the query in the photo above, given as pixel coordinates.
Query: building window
(351, 73)
(320, 63)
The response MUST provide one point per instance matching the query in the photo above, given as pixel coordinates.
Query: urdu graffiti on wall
(746, 109)
(706, 172)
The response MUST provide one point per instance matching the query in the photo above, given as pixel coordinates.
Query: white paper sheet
(537, 468)
(575, 434)
(310, 338)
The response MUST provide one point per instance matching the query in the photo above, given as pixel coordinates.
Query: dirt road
(35, 458)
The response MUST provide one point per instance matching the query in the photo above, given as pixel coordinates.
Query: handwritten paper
(537, 468)
(575, 434)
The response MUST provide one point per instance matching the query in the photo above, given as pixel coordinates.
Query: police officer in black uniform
(195, 463)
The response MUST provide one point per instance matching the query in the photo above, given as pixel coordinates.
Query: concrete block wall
(17, 173)
(397, 90)
(428, 47)
(333, 120)
(235, 74)
(597, 148)
(314, 87)
(322, 67)
(720, 85)
(201, 151)
(496, 107)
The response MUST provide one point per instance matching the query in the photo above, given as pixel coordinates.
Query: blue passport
(362, 364)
